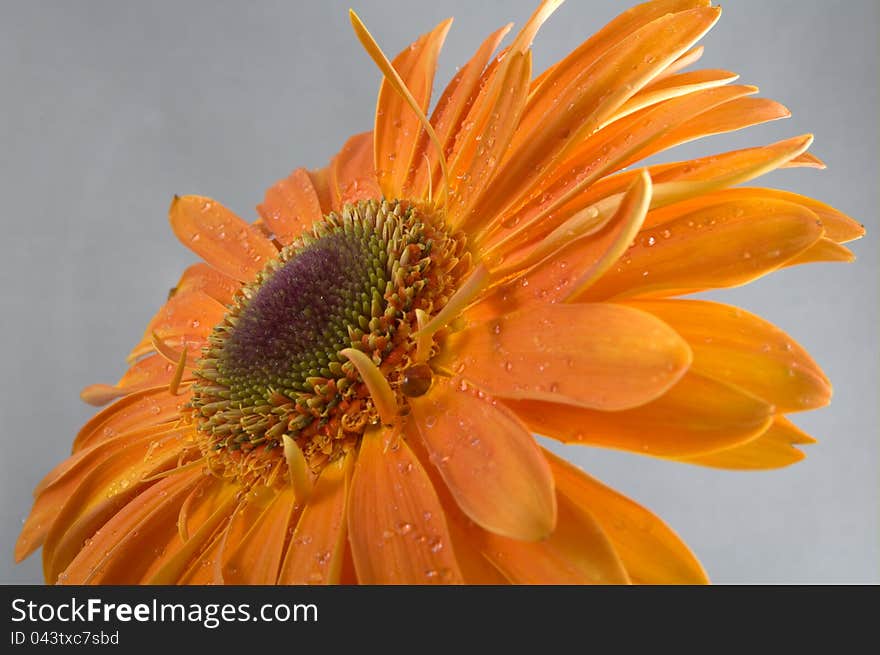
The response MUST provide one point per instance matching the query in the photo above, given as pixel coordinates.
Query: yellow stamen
(472, 287)
(300, 475)
(164, 349)
(178, 373)
(178, 469)
(398, 84)
(380, 390)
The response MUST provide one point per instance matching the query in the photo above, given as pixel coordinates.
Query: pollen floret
(273, 366)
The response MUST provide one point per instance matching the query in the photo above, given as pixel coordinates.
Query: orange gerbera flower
(346, 390)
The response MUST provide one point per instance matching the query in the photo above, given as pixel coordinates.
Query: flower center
(273, 366)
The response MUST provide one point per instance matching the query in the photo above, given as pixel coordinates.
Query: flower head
(346, 389)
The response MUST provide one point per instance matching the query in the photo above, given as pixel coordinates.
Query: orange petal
(725, 245)
(397, 527)
(208, 506)
(150, 372)
(138, 410)
(291, 206)
(317, 547)
(577, 263)
(684, 181)
(775, 448)
(564, 71)
(610, 149)
(208, 280)
(592, 355)
(805, 160)
(397, 128)
(493, 118)
(824, 250)
(451, 110)
(673, 87)
(651, 552)
(697, 415)
(320, 178)
(221, 238)
(743, 350)
(547, 135)
(578, 552)
(208, 566)
(838, 226)
(107, 488)
(186, 320)
(123, 548)
(488, 459)
(692, 56)
(257, 558)
(60, 484)
(734, 115)
(351, 172)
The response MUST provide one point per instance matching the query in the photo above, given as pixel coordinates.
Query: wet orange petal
(451, 109)
(692, 56)
(651, 552)
(599, 356)
(697, 415)
(397, 527)
(725, 245)
(208, 280)
(147, 373)
(208, 566)
(688, 180)
(492, 122)
(824, 250)
(578, 552)
(610, 149)
(139, 410)
(745, 351)
(121, 550)
(208, 505)
(185, 320)
(567, 69)
(548, 133)
(488, 459)
(60, 484)
(736, 114)
(291, 206)
(775, 448)
(316, 549)
(351, 172)
(107, 488)
(673, 87)
(221, 238)
(257, 558)
(838, 226)
(493, 119)
(577, 261)
(397, 128)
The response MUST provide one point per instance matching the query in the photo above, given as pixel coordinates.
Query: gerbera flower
(346, 390)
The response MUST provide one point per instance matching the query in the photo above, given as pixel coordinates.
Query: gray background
(111, 107)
